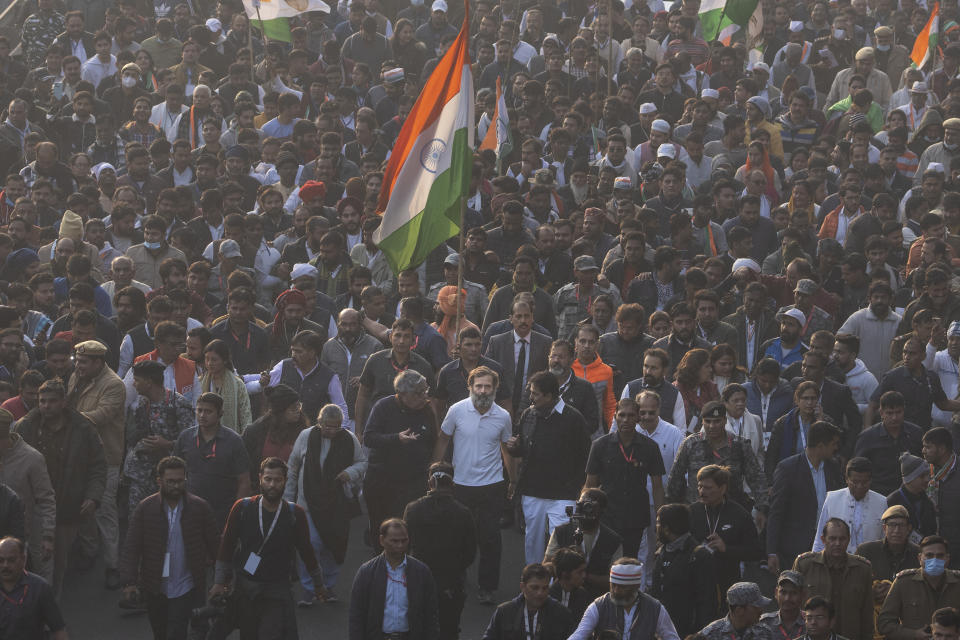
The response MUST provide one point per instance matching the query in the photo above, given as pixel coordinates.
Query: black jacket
(553, 621)
(736, 528)
(368, 596)
(643, 290)
(923, 515)
(684, 582)
(792, 519)
(442, 535)
(578, 602)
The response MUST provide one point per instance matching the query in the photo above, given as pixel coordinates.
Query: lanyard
(237, 338)
(589, 299)
(19, 602)
(716, 523)
(624, 453)
(399, 369)
(272, 525)
(764, 407)
(531, 628)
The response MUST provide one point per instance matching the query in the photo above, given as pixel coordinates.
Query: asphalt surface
(92, 612)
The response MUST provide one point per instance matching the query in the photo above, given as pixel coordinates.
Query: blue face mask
(153, 245)
(934, 566)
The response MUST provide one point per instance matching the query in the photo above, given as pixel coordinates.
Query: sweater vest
(313, 389)
(644, 626)
(142, 343)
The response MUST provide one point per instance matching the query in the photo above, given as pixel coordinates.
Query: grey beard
(623, 602)
(558, 372)
(482, 401)
(579, 193)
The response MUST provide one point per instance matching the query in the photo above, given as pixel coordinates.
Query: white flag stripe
(412, 186)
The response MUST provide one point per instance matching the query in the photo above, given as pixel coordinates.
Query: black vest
(668, 398)
(142, 343)
(313, 388)
(644, 625)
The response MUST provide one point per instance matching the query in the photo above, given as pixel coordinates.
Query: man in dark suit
(754, 323)
(521, 352)
(76, 40)
(393, 571)
(652, 290)
(796, 497)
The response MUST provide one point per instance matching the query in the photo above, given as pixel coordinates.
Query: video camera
(583, 511)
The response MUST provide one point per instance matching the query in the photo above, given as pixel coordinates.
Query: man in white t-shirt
(479, 428)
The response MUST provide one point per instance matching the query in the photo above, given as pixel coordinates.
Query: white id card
(253, 561)
(166, 565)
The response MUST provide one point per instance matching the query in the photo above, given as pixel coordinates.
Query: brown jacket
(141, 559)
(855, 604)
(912, 601)
(23, 469)
(102, 401)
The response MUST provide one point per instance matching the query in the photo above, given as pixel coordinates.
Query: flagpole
(609, 47)
(253, 74)
(463, 222)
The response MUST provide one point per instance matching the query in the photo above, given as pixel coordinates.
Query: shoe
(112, 580)
(485, 597)
(306, 603)
(332, 596)
(134, 604)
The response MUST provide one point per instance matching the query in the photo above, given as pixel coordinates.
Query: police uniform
(851, 593)
(911, 602)
(739, 594)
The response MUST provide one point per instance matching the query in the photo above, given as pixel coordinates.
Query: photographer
(585, 532)
(169, 573)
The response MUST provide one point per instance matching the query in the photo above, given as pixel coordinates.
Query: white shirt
(161, 116)
(95, 70)
(863, 517)
(477, 461)
(747, 427)
(591, 617)
(750, 329)
(843, 224)
(77, 49)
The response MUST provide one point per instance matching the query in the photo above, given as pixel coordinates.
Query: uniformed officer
(742, 622)
(917, 593)
(713, 445)
(893, 553)
(842, 578)
(787, 621)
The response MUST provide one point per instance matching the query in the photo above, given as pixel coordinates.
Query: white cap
(710, 93)
(302, 269)
(660, 125)
(796, 314)
(762, 66)
(647, 108)
(439, 5)
(666, 150)
(749, 263)
(214, 25)
(919, 87)
(936, 166)
(796, 26)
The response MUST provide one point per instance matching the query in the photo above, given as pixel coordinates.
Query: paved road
(92, 613)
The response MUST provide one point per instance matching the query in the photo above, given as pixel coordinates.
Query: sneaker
(332, 596)
(485, 597)
(306, 603)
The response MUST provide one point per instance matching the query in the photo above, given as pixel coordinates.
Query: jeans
(170, 617)
(331, 570)
(485, 504)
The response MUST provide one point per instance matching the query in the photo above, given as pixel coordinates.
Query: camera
(582, 511)
(216, 607)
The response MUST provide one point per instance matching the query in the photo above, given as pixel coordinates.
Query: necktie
(518, 378)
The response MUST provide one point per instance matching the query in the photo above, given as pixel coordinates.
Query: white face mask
(883, 47)
(128, 81)
(838, 34)
(416, 3)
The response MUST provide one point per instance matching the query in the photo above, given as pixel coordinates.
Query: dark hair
(932, 539)
(939, 436)
(838, 522)
(389, 523)
(220, 348)
(566, 560)
(819, 602)
(545, 382)
(676, 517)
(891, 400)
(822, 432)
(535, 571)
(947, 617)
(150, 370)
(273, 463)
(859, 465)
(212, 398)
(170, 462)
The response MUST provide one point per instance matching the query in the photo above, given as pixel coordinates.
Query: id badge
(253, 561)
(915, 537)
(166, 565)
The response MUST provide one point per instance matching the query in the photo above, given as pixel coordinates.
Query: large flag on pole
(429, 169)
(720, 19)
(271, 16)
(925, 46)
(498, 133)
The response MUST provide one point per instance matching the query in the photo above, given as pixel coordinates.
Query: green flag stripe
(440, 219)
(275, 29)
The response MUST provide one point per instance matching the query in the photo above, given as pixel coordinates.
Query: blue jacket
(61, 288)
(781, 401)
(772, 349)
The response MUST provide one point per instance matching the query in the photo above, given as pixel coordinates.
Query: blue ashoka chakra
(430, 154)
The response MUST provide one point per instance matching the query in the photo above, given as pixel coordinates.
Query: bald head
(349, 326)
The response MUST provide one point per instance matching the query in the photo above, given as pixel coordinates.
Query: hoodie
(861, 383)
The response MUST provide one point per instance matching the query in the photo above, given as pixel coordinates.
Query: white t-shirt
(476, 442)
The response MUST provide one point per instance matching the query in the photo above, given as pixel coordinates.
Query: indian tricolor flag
(720, 19)
(498, 133)
(925, 46)
(429, 169)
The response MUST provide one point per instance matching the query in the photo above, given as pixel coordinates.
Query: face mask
(153, 245)
(931, 138)
(934, 566)
(129, 82)
(950, 146)
(838, 34)
(883, 47)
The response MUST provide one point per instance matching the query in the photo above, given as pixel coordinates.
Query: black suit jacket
(792, 519)
(500, 348)
(369, 594)
(63, 41)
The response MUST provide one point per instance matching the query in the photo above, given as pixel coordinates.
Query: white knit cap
(626, 574)
(303, 269)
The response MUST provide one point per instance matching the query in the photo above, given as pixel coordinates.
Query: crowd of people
(699, 340)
